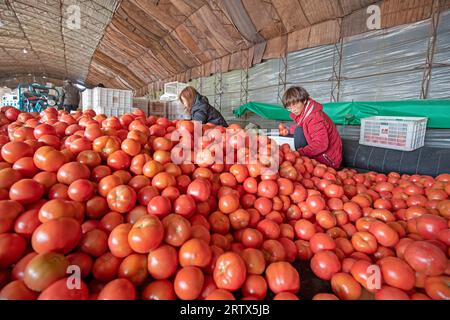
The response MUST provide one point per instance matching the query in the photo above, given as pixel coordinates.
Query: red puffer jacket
(324, 141)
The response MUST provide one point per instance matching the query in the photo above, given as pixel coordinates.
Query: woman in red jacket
(316, 135)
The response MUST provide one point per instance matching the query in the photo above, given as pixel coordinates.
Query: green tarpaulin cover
(437, 111)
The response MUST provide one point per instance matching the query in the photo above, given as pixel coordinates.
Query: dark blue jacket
(203, 112)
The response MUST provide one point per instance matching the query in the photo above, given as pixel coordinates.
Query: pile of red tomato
(100, 198)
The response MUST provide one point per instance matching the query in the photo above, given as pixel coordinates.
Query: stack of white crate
(86, 99)
(112, 102)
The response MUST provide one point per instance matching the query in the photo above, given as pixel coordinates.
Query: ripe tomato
(385, 235)
(119, 289)
(252, 238)
(199, 189)
(255, 286)
(325, 264)
(134, 268)
(72, 171)
(121, 199)
(26, 191)
(282, 277)
(390, 293)
(438, 288)
(83, 261)
(267, 188)
(17, 290)
(106, 267)
(60, 290)
(185, 206)
(429, 226)
(60, 236)
(321, 241)
(12, 248)
(345, 286)
(228, 203)
(188, 283)
(269, 229)
(146, 234)
(230, 271)
(397, 273)
(162, 262)
(94, 242)
(163, 180)
(195, 252)
(81, 190)
(13, 151)
(159, 206)
(364, 242)
(159, 290)
(177, 230)
(27, 222)
(425, 257)
(315, 203)
(254, 260)
(45, 269)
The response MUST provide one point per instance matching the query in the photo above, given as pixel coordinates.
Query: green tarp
(437, 111)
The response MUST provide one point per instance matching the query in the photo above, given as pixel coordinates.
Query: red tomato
(282, 277)
(255, 286)
(73, 171)
(188, 283)
(325, 264)
(159, 206)
(425, 257)
(321, 241)
(177, 230)
(61, 236)
(397, 273)
(195, 252)
(12, 248)
(13, 151)
(121, 199)
(17, 290)
(304, 229)
(146, 234)
(438, 288)
(106, 267)
(345, 286)
(119, 289)
(63, 290)
(26, 191)
(364, 242)
(134, 268)
(199, 189)
(159, 290)
(230, 271)
(390, 293)
(45, 269)
(385, 235)
(94, 242)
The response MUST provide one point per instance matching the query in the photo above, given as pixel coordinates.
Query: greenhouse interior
(182, 150)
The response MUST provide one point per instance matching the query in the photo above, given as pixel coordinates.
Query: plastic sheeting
(312, 69)
(440, 78)
(386, 64)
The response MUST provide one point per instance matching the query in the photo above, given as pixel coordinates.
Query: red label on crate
(384, 131)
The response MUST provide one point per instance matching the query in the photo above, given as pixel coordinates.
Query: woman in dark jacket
(199, 108)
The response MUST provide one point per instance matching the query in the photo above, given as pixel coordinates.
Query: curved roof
(139, 44)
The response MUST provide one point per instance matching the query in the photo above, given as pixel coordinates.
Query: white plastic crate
(141, 103)
(86, 99)
(111, 99)
(172, 90)
(398, 133)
